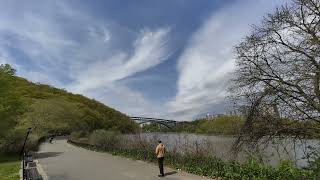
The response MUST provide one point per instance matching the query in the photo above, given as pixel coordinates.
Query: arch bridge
(165, 122)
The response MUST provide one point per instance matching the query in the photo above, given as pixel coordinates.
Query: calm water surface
(220, 146)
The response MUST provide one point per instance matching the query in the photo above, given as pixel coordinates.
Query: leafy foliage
(10, 104)
(7, 69)
(48, 110)
(103, 138)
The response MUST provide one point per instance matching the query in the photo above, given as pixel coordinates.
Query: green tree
(278, 74)
(52, 115)
(6, 68)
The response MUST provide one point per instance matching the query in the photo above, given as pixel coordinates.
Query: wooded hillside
(48, 110)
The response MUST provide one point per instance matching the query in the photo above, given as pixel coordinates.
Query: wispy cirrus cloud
(62, 43)
(148, 50)
(71, 49)
(204, 66)
(3, 57)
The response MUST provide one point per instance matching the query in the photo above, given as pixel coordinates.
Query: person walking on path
(160, 151)
(51, 139)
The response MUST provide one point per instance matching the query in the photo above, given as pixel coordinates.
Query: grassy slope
(97, 114)
(9, 168)
(48, 110)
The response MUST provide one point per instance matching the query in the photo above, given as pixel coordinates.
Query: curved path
(62, 161)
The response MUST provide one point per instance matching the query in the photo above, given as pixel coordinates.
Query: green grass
(9, 167)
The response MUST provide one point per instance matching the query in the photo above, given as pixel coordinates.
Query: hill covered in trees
(48, 110)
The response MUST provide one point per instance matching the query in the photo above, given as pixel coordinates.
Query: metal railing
(23, 156)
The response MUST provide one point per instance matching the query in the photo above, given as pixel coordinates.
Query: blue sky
(169, 59)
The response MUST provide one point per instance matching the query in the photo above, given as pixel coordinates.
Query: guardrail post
(23, 168)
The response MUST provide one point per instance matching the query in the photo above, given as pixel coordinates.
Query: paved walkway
(62, 161)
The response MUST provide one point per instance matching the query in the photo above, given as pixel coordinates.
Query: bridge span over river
(165, 122)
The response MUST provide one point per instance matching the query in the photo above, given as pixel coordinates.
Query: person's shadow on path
(44, 155)
(170, 173)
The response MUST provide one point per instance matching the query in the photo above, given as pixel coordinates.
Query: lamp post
(25, 141)
(22, 153)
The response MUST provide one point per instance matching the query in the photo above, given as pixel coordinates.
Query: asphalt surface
(62, 161)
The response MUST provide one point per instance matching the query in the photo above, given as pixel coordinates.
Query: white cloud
(149, 49)
(65, 47)
(70, 49)
(100, 33)
(36, 35)
(131, 102)
(40, 77)
(3, 58)
(205, 65)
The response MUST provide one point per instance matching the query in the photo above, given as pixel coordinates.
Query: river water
(220, 146)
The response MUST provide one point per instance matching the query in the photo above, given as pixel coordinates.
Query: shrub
(76, 135)
(104, 138)
(315, 166)
(13, 141)
(193, 162)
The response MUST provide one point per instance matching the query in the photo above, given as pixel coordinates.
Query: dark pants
(160, 162)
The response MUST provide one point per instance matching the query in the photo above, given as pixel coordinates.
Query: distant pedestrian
(160, 151)
(51, 139)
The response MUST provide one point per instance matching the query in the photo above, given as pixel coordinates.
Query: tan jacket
(160, 150)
